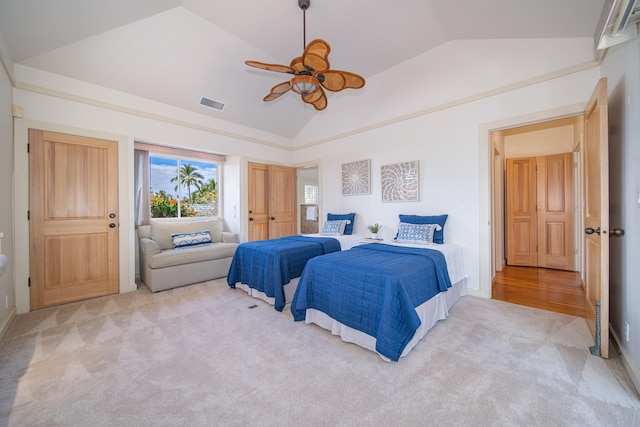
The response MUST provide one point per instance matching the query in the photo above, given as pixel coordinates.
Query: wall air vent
(212, 103)
(618, 23)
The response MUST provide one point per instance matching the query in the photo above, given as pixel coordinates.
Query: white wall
(452, 146)
(7, 295)
(65, 112)
(541, 142)
(452, 74)
(621, 66)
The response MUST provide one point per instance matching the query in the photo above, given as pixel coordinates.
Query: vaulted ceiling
(177, 51)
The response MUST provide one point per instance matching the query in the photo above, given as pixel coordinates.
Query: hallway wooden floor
(547, 289)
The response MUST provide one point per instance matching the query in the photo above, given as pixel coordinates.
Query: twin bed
(269, 269)
(381, 296)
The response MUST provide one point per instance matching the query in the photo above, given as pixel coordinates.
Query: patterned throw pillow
(191, 239)
(417, 233)
(438, 236)
(350, 217)
(334, 228)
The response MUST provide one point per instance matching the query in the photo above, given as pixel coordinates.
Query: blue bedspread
(268, 265)
(373, 288)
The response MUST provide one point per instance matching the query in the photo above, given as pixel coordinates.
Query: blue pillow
(438, 236)
(350, 216)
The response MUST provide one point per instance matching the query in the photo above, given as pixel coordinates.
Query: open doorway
(308, 199)
(530, 283)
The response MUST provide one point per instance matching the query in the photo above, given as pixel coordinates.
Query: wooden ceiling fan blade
(297, 66)
(277, 91)
(316, 98)
(270, 67)
(335, 80)
(316, 55)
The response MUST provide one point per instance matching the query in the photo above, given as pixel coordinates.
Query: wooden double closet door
(272, 201)
(540, 211)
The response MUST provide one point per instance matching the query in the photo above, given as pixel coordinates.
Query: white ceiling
(176, 51)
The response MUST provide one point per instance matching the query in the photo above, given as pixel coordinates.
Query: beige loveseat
(164, 267)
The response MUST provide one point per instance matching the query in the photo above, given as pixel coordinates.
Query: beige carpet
(199, 356)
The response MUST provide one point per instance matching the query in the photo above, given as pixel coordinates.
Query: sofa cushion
(173, 257)
(161, 231)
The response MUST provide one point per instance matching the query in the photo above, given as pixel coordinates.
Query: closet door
(555, 212)
(282, 201)
(272, 201)
(258, 201)
(521, 212)
(540, 216)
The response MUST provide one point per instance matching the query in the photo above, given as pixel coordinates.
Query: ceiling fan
(311, 72)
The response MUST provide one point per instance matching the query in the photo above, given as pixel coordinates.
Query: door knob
(590, 230)
(272, 218)
(616, 232)
(112, 215)
(250, 219)
(112, 225)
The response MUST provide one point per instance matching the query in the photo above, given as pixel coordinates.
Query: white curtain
(141, 182)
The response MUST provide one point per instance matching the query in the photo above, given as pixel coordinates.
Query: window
(310, 194)
(180, 187)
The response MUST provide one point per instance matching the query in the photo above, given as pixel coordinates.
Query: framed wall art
(400, 182)
(356, 178)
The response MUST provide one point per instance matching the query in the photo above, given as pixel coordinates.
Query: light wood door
(555, 212)
(522, 217)
(73, 227)
(282, 201)
(272, 201)
(258, 201)
(540, 212)
(596, 218)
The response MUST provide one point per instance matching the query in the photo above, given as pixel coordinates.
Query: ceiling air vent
(212, 103)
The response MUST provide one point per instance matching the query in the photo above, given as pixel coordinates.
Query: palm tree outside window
(182, 187)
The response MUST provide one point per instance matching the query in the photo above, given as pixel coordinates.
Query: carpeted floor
(199, 356)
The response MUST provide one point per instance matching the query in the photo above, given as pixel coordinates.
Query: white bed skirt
(289, 292)
(437, 308)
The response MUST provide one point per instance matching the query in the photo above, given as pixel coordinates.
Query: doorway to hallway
(548, 289)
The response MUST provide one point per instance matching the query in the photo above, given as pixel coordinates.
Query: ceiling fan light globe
(304, 85)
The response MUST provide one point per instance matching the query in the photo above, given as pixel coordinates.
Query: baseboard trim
(627, 362)
(8, 320)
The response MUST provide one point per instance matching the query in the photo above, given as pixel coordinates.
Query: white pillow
(188, 240)
(417, 233)
(334, 228)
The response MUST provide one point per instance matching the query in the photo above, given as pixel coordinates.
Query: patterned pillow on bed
(438, 236)
(350, 218)
(334, 228)
(191, 239)
(417, 233)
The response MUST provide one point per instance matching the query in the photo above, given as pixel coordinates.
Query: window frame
(181, 156)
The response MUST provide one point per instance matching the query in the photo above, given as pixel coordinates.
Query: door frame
(318, 165)
(486, 183)
(127, 235)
